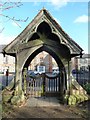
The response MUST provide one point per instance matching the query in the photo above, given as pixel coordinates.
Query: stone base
(6, 96)
(75, 99)
(76, 94)
(16, 100)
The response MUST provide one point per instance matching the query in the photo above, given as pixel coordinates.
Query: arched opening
(44, 31)
(65, 51)
(57, 81)
(34, 37)
(54, 37)
(44, 28)
(45, 60)
(43, 48)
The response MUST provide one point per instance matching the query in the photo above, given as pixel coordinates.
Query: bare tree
(7, 6)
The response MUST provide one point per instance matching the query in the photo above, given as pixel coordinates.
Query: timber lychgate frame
(43, 34)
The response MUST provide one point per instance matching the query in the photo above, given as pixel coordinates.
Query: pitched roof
(35, 20)
(60, 29)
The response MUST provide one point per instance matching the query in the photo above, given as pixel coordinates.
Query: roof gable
(43, 15)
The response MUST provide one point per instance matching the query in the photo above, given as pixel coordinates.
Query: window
(5, 60)
(41, 59)
(41, 68)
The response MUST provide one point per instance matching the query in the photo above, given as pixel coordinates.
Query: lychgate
(43, 34)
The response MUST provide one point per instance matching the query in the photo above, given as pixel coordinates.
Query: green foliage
(87, 87)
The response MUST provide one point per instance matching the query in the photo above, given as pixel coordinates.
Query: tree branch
(7, 6)
(1, 30)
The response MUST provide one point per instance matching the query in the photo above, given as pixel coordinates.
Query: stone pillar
(16, 77)
(18, 93)
(20, 80)
(67, 67)
(61, 83)
(64, 81)
(69, 79)
(25, 80)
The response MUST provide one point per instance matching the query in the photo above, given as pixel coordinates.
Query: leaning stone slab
(15, 100)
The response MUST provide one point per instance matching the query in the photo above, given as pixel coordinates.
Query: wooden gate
(52, 85)
(44, 85)
(35, 86)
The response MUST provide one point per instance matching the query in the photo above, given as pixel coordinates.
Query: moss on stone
(6, 98)
(73, 99)
(15, 100)
(81, 98)
(77, 98)
(66, 99)
(86, 98)
(18, 99)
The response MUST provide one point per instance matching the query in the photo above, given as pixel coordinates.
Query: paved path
(45, 108)
(42, 102)
(26, 112)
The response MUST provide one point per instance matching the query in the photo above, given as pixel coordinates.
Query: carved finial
(43, 8)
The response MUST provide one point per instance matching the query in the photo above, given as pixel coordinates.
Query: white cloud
(59, 3)
(6, 39)
(81, 19)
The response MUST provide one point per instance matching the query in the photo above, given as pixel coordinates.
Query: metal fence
(82, 70)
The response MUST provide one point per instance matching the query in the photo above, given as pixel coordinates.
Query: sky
(71, 16)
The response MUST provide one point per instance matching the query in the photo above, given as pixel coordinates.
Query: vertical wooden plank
(53, 85)
(59, 83)
(49, 84)
(44, 84)
(33, 87)
(25, 76)
(56, 84)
